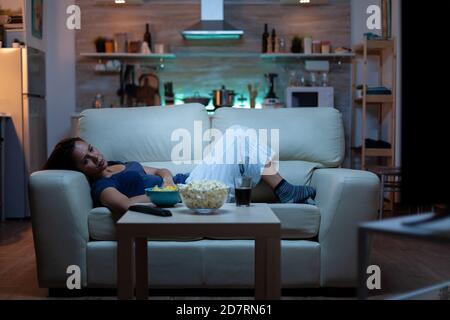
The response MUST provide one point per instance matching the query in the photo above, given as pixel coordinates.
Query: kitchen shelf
(377, 98)
(128, 56)
(193, 55)
(373, 152)
(275, 56)
(374, 47)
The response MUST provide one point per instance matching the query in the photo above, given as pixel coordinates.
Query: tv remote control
(149, 210)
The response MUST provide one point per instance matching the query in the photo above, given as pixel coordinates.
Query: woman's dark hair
(61, 157)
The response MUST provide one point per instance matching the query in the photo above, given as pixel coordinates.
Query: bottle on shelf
(273, 41)
(265, 39)
(148, 37)
(281, 45)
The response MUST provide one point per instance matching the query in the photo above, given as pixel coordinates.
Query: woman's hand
(165, 174)
(168, 182)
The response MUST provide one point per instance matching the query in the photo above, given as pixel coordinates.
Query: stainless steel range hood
(212, 24)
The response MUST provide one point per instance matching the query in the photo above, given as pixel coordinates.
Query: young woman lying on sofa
(118, 185)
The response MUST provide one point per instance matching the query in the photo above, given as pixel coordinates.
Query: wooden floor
(405, 266)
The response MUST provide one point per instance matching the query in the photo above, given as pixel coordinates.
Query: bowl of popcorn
(163, 196)
(204, 197)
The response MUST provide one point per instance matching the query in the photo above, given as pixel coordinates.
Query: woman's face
(89, 160)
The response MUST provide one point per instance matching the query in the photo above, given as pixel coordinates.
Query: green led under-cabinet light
(212, 37)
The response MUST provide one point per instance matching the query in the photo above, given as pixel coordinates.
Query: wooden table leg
(273, 276)
(260, 268)
(125, 274)
(141, 269)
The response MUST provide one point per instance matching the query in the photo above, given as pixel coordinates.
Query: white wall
(60, 49)
(359, 27)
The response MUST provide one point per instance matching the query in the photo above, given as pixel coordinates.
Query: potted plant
(100, 44)
(296, 45)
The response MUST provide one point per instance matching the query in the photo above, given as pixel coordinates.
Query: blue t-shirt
(131, 182)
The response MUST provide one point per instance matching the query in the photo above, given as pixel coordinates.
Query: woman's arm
(119, 203)
(165, 174)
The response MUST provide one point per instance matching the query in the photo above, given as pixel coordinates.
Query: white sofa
(319, 247)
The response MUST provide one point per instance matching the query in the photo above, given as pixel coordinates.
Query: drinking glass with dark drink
(243, 191)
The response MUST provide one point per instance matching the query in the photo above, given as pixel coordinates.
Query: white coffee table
(256, 222)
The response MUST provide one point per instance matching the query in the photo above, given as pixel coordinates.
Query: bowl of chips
(163, 196)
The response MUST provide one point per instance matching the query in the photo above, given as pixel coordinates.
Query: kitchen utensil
(148, 90)
(253, 93)
(197, 99)
(270, 77)
(130, 88)
(169, 95)
(223, 97)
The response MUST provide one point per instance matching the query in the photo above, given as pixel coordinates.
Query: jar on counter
(307, 44)
(109, 46)
(326, 47)
(316, 46)
(98, 101)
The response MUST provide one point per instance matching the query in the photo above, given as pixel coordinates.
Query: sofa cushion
(306, 134)
(295, 172)
(144, 133)
(102, 226)
(297, 222)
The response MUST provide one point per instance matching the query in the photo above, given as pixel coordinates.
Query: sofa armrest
(345, 199)
(60, 202)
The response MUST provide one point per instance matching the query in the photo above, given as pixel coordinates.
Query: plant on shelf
(296, 45)
(100, 44)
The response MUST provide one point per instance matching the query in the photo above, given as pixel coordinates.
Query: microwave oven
(310, 97)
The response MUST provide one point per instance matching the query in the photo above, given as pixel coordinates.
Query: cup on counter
(326, 47)
(134, 46)
(243, 191)
(109, 46)
(121, 42)
(160, 48)
(316, 46)
(307, 45)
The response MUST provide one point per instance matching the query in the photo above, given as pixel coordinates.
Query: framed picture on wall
(37, 14)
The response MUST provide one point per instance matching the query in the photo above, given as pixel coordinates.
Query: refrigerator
(22, 96)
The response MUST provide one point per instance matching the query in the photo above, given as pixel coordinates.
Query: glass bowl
(203, 201)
